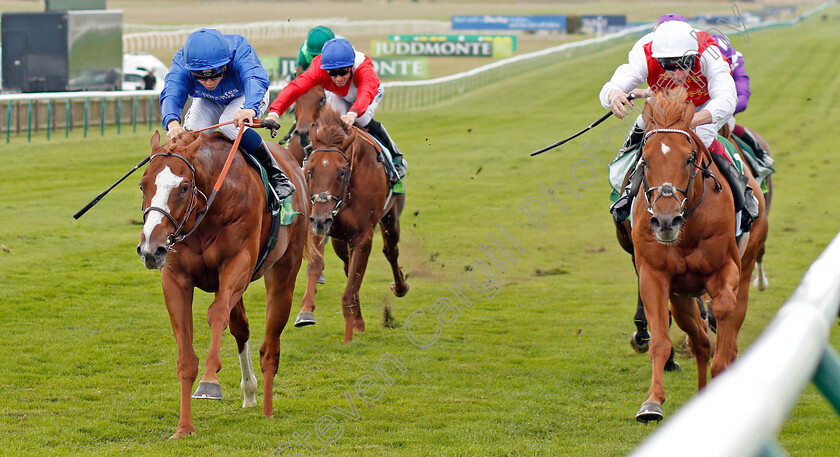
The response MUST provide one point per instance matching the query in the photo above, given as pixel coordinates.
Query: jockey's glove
(271, 125)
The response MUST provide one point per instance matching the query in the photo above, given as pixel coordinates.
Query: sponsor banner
(281, 68)
(603, 23)
(490, 22)
(510, 39)
(432, 48)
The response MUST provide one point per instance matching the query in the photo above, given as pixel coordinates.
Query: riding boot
(378, 130)
(742, 193)
(278, 180)
(760, 154)
(633, 141)
(623, 206)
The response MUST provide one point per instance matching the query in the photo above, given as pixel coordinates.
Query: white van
(137, 65)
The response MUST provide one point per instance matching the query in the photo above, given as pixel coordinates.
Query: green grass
(542, 368)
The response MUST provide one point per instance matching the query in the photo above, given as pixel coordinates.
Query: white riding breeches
(204, 113)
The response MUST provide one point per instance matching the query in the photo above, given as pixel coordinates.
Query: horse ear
(194, 145)
(155, 141)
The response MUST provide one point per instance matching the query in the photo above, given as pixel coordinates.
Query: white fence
(741, 411)
(169, 37)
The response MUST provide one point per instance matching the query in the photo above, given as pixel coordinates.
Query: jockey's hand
(618, 100)
(349, 119)
(174, 128)
(242, 116)
(271, 124)
(641, 93)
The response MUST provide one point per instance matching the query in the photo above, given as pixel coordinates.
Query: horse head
(328, 170)
(669, 161)
(169, 196)
(307, 109)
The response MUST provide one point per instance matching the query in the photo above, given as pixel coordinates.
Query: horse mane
(668, 108)
(330, 131)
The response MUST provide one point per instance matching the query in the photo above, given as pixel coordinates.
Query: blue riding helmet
(337, 53)
(206, 51)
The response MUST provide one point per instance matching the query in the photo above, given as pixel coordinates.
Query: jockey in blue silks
(227, 82)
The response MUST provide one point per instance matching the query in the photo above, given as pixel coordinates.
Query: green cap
(316, 38)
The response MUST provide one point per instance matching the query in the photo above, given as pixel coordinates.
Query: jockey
(677, 55)
(352, 88)
(310, 48)
(227, 82)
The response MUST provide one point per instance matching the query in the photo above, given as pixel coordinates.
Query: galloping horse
(350, 196)
(640, 338)
(219, 255)
(684, 238)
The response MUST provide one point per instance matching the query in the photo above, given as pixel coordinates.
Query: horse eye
(185, 188)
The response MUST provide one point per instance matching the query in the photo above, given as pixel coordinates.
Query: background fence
(27, 113)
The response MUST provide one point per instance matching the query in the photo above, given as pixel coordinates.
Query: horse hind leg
(280, 286)
(240, 330)
(390, 227)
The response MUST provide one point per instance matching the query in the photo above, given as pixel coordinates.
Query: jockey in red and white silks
(676, 55)
(707, 76)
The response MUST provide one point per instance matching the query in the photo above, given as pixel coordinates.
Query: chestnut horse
(640, 338)
(350, 196)
(218, 255)
(684, 239)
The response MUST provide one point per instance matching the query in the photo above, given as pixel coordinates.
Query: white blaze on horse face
(665, 149)
(165, 181)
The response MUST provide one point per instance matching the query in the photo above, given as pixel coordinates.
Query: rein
(177, 236)
(667, 189)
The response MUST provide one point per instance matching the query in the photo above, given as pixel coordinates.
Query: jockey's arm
(722, 95)
(701, 117)
(627, 77)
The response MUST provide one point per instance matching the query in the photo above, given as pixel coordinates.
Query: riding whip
(81, 212)
(561, 142)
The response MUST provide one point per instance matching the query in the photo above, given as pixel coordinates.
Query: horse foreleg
(640, 341)
(233, 279)
(280, 287)
(342, 251)
(350, 304)
(390, 227)
(687, 316)
(240, 330)
(178, 294)
(314, 268)
(653, 288)
(728, 313)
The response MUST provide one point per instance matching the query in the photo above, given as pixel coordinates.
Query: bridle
(177, 236)
(325, 197)
(667, 189)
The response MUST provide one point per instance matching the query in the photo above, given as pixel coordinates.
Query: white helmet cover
(674, 39)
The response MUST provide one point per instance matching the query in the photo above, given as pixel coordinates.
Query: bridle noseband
(177, 236)
(667, 189)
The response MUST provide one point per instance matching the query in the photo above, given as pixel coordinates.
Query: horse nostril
(677, 222)
(138, 250)
(654, 223)
(160, 251)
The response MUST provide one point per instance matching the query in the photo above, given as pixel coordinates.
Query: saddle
(383, 154)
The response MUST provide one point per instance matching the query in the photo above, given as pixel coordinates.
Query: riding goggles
(210, 73)
(677, 63)
(338, 71)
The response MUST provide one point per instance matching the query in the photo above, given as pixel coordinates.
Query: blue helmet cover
(337, 53)
(206, 49)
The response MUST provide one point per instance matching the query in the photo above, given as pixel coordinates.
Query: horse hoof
(399, 293)
(321, 279)
(672, 366)
(303, 319)
(639, 346)
(650, 411)
(208, 391)
(181, 434)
